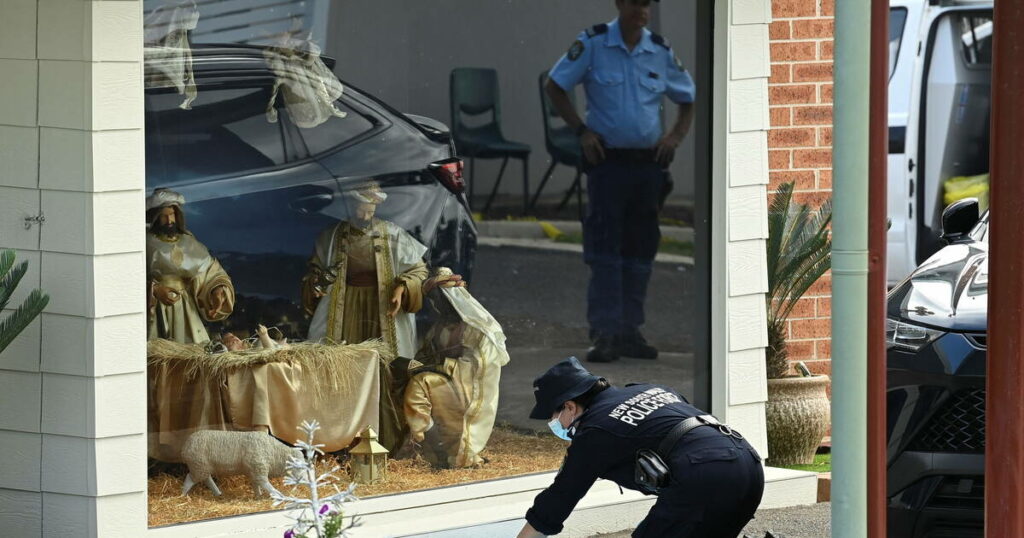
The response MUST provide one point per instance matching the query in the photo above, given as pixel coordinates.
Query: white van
(940, 68)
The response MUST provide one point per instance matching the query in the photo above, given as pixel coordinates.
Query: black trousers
(717, 483)
(620, 240)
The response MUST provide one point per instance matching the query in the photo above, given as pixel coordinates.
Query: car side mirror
(958, 219)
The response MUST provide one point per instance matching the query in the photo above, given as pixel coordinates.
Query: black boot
(603, 350)
(634, 345)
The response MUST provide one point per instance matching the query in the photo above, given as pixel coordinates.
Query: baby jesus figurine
(271, 338)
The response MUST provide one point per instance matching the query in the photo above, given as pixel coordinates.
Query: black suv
(936, 337)
(258, 192)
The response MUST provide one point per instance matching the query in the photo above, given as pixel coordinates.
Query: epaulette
(658, 40)
(597, 29)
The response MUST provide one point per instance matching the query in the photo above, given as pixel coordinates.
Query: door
(904, 25)
(954, 116)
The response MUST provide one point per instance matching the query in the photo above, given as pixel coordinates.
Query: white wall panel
(16, 205)
(18, 93)
(20, 394)
(747, 262)
(750, 52)
(19, 468)
(748, 103)
(19, 153)
(748, 159)
(21, 510)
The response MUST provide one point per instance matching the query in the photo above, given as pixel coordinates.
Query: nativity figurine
(187, 285)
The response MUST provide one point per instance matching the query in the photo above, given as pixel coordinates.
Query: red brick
(779, 30)
(786, 95)
(779, 116)
(798, 351)
(811, 328)
(825, 179)
(805, 308)
(812, 199)
(779, 159)
(823, 307)
(825, 50)
(822, 287)
(823, 349)
(789, 138)
(812, 158)
(782, 9)
(828, 8)
(825, 136)
(816, 72)
(813, 28)
(819, 366)
(812, 115)
(825, 93)
(794, 51)
(802, 180)
(780, 74)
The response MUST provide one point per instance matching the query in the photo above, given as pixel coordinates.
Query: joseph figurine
(364, 281)
(187, 285)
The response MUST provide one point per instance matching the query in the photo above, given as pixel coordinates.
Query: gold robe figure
(187, 285)
(365, 281)
(451, 403)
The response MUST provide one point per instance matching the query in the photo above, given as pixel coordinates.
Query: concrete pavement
(807, 521)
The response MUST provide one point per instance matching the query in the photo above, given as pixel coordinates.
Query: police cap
(561, 383)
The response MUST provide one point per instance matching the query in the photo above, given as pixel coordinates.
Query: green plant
(10, 276)
(799, 251)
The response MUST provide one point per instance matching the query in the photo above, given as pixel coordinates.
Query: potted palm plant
(799, 252)
(10, 276)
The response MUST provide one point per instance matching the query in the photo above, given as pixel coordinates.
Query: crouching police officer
(626, 70)
(708, 479)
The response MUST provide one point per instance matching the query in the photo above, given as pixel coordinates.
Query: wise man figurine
(187, 285)
(364, 281)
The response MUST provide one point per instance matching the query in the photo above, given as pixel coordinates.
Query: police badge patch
(575, 50)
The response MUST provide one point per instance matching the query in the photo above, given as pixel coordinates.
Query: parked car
(936, 330)
(259, 191)
(940, 58)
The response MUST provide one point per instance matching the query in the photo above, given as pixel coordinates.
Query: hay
(325, 367)
(510, 453)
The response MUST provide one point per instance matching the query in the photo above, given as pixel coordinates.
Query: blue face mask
(560, 431)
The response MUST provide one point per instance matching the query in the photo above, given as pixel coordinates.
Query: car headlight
(907, 336)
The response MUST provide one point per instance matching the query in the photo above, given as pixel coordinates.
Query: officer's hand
(665, 149)
(593, 150)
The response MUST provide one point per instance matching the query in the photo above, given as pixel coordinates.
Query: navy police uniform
(624, 94)
(717, 479)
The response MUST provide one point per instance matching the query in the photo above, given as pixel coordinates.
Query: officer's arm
(560, 100)
(684, 118)
(588, 456)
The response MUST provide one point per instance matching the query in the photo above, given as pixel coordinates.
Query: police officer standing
(625, 69)
(708, 479)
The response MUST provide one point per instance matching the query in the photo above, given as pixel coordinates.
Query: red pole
(878, 154)
(1004, 422)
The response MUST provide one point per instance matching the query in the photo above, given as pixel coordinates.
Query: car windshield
(980, 232)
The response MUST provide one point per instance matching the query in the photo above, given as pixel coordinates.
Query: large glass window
(306, 236)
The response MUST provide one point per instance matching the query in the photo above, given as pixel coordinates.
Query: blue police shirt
(624, 87)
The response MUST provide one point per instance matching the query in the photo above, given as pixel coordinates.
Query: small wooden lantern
(369, 459)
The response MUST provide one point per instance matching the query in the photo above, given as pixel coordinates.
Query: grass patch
(822, 464)
(667, 245)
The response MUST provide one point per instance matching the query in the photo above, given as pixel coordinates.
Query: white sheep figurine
(210, 453)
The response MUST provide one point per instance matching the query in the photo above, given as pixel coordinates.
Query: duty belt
(630, 155)
(684, 427)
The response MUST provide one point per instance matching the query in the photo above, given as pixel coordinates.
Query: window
(897, 20)
(976, 37)
(226, 132)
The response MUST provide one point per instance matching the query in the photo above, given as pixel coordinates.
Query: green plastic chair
(474, 92)
(563, 146)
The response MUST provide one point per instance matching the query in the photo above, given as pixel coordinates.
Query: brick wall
(800, 145)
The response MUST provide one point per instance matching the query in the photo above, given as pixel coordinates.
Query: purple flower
(289, 534)
(323, 510)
